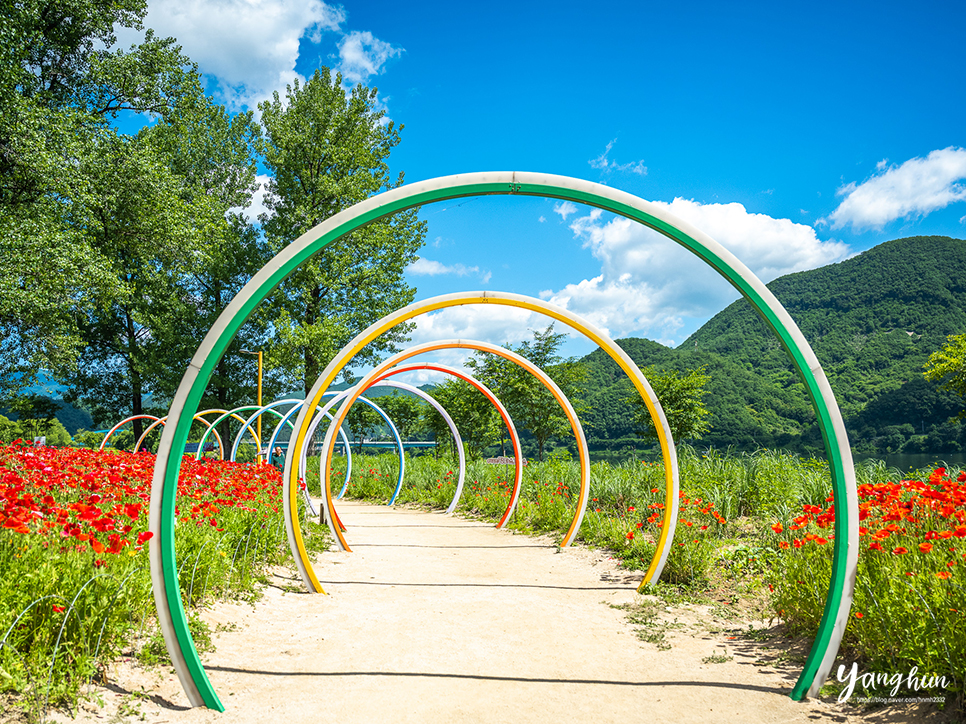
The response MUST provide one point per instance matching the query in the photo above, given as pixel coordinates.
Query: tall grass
(910, 593)
(744, 512)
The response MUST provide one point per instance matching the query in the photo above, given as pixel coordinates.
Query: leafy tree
(681, 397)
(404, 411)
(162, 212)
(948, 365)
(214, 153)
(89, 439)
(10, 430)
(36, 417)
(61, 82)
(473, 414)
(363, 422)
(328, 150)
(530, 404)
(138, 221)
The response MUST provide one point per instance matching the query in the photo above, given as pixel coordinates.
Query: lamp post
(259, 402)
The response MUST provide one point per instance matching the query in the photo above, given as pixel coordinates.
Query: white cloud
(916, 188)
(494, 323)
(601, 163)
(428, 267)
(650, 285)
(542, 219)
(257, 205)
(565, 209)
(251, 46)
(362, 55)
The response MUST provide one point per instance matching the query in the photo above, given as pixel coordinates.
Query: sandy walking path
(434, 618)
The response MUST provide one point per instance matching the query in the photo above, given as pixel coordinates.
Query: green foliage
(681, 397)
(474, 416)
(328, 150)
(363, 421)
(145, 231)
(948, 365)
(9, 430)
(89, 439)
(61, 83)
(214, 153)
(35, 418)
(405, 412)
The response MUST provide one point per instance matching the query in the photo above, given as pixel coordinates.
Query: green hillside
(872, 321)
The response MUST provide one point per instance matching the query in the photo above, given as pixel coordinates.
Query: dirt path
(438, 619)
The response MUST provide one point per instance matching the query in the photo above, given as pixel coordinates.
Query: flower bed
(76, 585)
(910, 593)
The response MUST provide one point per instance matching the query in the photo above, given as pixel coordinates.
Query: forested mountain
(872, 320)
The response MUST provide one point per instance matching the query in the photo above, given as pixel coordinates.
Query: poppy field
(910, 596)
(757, 524)
(76, 589)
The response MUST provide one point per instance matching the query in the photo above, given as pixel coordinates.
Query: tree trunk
(224, 428)
(136, 382)
(311, 316)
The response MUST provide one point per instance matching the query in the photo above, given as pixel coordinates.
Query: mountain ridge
(872, 320)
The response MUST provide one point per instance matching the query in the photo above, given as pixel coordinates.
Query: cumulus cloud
(916, 188)
(565, 209)
(602, 163)
(428, 267)
(251, 46)
(362, 55)
(649, 285)
(493, 323)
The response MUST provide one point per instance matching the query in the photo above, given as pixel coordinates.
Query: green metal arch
(164, 568)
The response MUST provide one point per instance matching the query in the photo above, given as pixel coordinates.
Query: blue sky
(795, 134)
